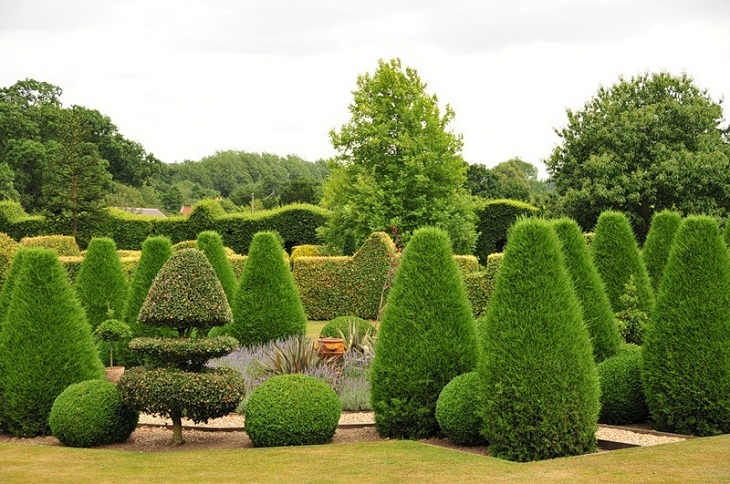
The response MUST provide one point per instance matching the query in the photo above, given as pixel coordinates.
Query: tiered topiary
(292, 409)
(187, 296)
(541, 392)
(588, 286)
(341, 326)
(91, 413)
(658, 242)
(101, 284)
(622, 393)
(211, 244)
(45, 345)
(267, 305)
(687, 344)
(457, 410)
(616, 256)
(426, 338)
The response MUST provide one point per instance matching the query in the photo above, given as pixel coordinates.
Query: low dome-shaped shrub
(292, 409)
(622, 392)
(342, 324)
(457, 410)
(91, 413)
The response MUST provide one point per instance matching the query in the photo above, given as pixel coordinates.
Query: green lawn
(705, 459)
(314, 327)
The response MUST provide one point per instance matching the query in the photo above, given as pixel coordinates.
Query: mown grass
(314, 327)
(705, 459)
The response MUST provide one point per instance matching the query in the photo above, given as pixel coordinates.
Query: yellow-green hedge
(7, 248)
(64, 245)
(480, 284)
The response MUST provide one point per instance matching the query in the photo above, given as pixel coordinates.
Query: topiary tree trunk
(687, 344)
(541, 392)
(426, 338)
(655, 254)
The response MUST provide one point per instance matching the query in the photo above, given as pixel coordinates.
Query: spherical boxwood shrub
(342, 324)
(622, 393)
(91, 413)
(292, 409)
(457, 410)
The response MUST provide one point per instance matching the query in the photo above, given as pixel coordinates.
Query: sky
(187, 78)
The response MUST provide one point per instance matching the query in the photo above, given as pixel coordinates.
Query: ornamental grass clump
(687, 343)
(211, 244)
(655, 253)
(597, 313)
(267, 305)
(45, 345)
(186, 296)
(426, 338)
(541, 392)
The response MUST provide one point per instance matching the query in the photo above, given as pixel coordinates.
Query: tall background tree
(652, 142)
(398, 164)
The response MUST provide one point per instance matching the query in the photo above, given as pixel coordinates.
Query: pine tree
(211, 244)
(664, 226)
(541, 388)
(597, 312)
(687, 344)
(426, 338)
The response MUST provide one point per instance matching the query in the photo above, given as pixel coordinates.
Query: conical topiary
(426, 338)
(45, 345)
(211, 244)
(588, 286)
(186, 294)
(540, 384)
(616, 256)
(664, 226)
(687, 344)
(267, 304)
(15, 266)
(101, 284)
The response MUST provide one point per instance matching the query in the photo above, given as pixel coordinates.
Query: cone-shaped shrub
(687, 344)
(101, 284)
(15, 266)
(45, 345)
(597, 313)
(540, 385)
(211, 244)
(426, 338)
(267, 305)
(616, 256)
(664, 226)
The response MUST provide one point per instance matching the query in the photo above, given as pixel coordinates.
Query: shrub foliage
(622, 393)
(341, 325)
(658, 242)
(9, 284)
(211, 244)
(495, 219)
(457, 410)
(155, 252)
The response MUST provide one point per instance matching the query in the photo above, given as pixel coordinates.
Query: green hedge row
(495, 217)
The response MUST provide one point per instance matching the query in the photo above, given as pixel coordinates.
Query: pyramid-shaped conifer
(663, 228)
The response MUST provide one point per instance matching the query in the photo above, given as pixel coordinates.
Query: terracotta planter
(331, 348)
(113, 373)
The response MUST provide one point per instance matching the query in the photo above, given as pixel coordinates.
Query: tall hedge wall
(495, 218)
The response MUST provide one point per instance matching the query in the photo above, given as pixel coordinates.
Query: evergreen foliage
(342, 324)
(155, 252)
(45, 345)
(292, 409)
(426, 338)
(91, 413)
(211, 244)
(267, 305)
(101, 284)
(622, 393)
(616, 256)
(7, 290)
(588, 286)
(541, 392)
(631, 320)
(655, 253)
(457, 410)
(687, 344)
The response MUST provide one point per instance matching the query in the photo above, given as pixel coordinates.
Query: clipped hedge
(62, 245)
(91, 413)
(457, 410)
(622, 392)
(480, 284)
(495, 219)
(8, 247)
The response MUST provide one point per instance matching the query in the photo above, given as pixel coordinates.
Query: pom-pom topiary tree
(541, 392)
(45, 345)
(267, 305)
(426, 338)
(211, 244)
(91, 413)
(101, 284)
(658, 242)
(186, 296)
(458, 410)
(687, 344)
(588, 286)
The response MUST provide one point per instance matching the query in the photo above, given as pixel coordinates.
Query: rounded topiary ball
(342, 325)
(622, 392)
(91, 413)
(292, 409)
(457, 410)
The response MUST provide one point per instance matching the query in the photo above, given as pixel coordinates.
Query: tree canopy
(642, 145)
